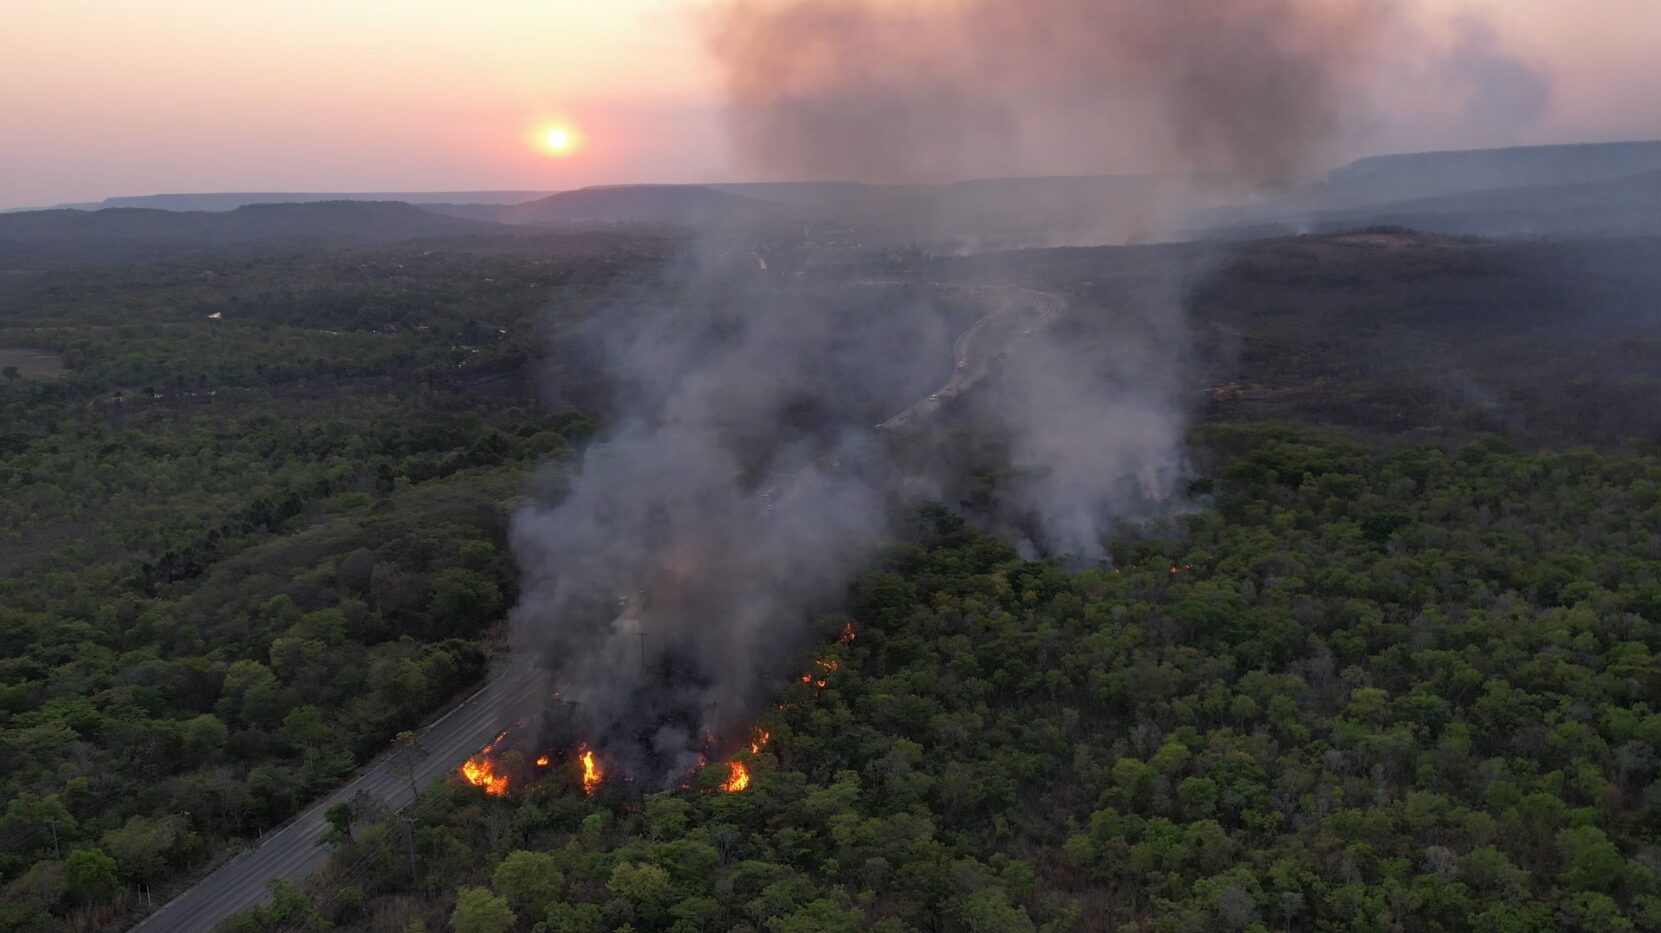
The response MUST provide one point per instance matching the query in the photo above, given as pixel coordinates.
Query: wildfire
(739, 780)
(592, 775)
(762, 737)
(542, 761)
(847, 633)
(826, 665)
(480, 770)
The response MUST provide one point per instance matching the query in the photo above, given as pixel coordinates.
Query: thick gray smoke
(1095, 427)
(879, 91)
(742, 483)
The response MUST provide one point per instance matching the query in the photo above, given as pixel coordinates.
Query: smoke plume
(741, 485)
(931, 91)
(1503, 93)
(671, 585)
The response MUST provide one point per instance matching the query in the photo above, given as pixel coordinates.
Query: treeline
(1351, 690)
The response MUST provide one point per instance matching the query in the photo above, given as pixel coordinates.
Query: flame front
(592, 775)
(762, 737)
(542, 761)
(739, 780)
(480, 770)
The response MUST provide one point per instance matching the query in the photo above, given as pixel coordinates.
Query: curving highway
(292, 853)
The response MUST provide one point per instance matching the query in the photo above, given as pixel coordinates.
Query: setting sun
(558, 140)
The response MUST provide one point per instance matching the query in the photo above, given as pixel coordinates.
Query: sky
(124, 97)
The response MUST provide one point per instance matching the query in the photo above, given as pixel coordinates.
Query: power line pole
(409, 839)
(57, 853)
(409, 747)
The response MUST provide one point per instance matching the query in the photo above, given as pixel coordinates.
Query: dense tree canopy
(1349, 690)
(238, 554)
(1388, 678)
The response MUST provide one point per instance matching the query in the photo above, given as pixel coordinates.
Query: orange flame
(739, 780)
(592, 775)
(847, 633)
(762, 737)
(542, 761)
(480, 770)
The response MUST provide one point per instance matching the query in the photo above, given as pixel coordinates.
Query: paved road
(292, 853)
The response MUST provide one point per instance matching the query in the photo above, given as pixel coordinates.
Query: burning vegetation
(487, 770)
(592, 773)
(481, 769)
(740, 778)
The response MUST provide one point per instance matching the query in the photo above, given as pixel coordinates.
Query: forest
(1350, 690)
(252, 531)
(1390, 665)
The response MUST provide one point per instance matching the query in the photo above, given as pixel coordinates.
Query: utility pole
(57, 853)
(409, 838)
(409, 747)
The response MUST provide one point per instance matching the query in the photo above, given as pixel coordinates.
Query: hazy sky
(109, 97)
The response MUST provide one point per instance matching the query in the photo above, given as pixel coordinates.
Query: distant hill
(1391, 178)
(832, 198)
(137, 233)
(978, 201)
(228, 201)
(1629, 206)
(1594, 188)
(963, 208)
(647, 205)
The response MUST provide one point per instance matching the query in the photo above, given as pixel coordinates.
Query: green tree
(639, 883)
(1590, 861)
(479, 911)
(204, 737)
(531, 881)
(340, 818)
(91, 875)
(146, 847)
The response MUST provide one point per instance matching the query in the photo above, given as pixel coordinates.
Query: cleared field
(31, 364)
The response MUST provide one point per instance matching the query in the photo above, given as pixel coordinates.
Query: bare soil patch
(31, 364)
